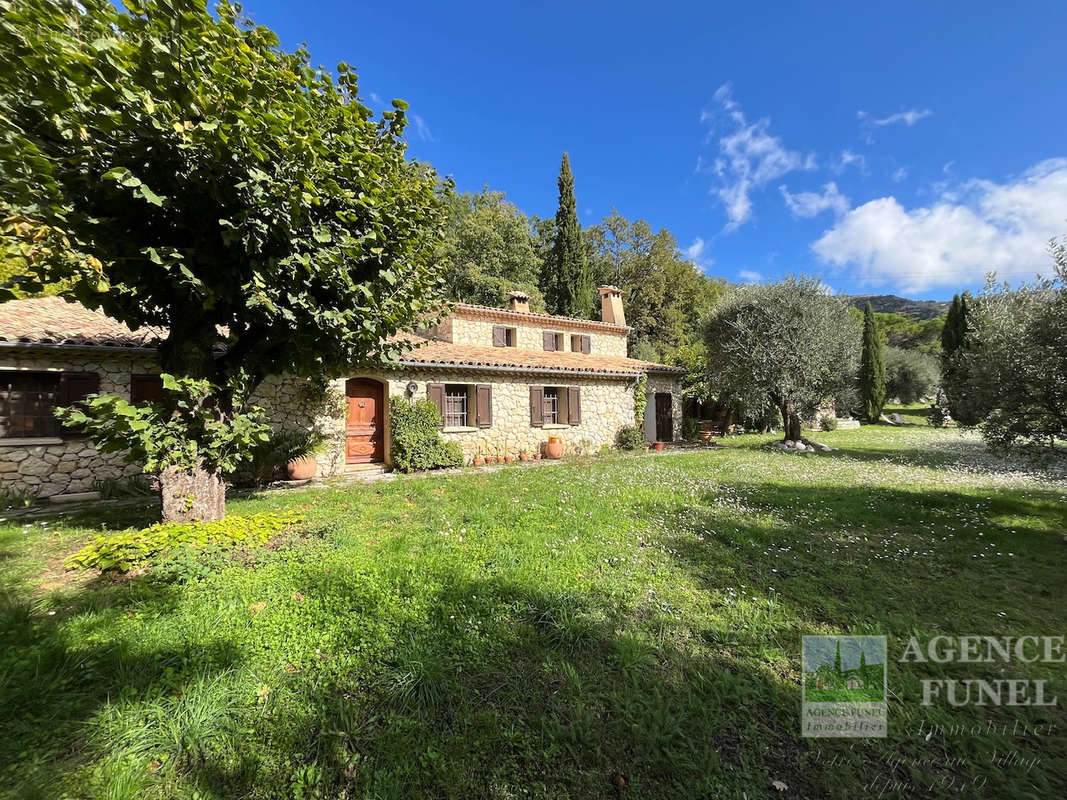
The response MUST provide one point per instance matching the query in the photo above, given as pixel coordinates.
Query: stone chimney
(611, 305)
(519, 301)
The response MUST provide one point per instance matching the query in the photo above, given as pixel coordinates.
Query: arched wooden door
(364, 422)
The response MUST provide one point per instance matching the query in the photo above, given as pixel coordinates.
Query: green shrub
(630, 437)
(416, 437)
(121, 551)
(828, 422)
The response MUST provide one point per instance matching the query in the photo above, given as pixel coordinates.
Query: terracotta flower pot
(300, 469)
(508, 459)
(658, 445)
(524, 457)
(478, 461)
(536, 456)
(554, 447)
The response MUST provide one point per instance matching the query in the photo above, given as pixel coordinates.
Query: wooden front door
(364, 425)
(664, 417)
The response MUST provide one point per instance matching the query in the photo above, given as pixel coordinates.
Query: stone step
(364, 469)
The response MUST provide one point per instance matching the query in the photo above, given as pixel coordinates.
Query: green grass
(534, 631)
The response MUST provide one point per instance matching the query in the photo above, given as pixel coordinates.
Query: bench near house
(500, 378)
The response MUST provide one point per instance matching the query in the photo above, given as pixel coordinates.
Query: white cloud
(982, 226)
(422, 129)
(697, 253)
(748, 157)
(900, 174)
(847, 159)
(810, 204)
(750, 276)
(376, 98)
(909, 117)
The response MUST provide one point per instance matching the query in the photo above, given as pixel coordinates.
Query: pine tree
(954, 370)
(872, 367)
(566, 279)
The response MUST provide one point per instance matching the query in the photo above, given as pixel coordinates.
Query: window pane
(551, 405)
(455, 414)
(26, 403)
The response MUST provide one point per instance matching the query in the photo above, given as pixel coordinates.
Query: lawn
(539, 631)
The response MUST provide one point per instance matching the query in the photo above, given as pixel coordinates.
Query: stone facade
(461, 329)
(68, 465)
(606, 406)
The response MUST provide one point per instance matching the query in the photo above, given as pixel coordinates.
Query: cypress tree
(837, 659)
(950, 333)
(872, 368)
(567, 281)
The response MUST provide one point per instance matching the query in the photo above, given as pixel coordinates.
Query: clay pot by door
(554, 447)
(300, 469)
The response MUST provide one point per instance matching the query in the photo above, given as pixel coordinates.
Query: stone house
(501, 378)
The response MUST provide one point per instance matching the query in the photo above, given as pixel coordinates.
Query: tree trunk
(790, 423)
(192, 495)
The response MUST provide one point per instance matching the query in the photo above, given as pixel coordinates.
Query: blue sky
(890, 147)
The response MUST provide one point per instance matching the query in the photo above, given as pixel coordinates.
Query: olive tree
(788, 344)
(1013, 372)
(175, 167)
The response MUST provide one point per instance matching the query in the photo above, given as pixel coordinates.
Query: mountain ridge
(894, 304)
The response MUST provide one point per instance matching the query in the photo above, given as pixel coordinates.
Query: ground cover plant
(624, 625)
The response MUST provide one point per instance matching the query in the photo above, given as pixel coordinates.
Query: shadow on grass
(55, 674)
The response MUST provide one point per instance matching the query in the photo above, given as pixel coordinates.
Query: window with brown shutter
(587, 342)
(484, 402)
(28, 400)
(574, 405)
(436, 393)
(147, 389)
(550, 340)
(537, 406)
(499, 336)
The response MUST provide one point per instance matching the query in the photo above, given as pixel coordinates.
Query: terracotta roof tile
(52, 320)
(434, 353)
(470, 309)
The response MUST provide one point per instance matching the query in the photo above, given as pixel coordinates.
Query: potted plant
(523, 455)
(658, 445)
(508, 457)
(299, 448)
(479, 455)
(554, 447)
(536, 456)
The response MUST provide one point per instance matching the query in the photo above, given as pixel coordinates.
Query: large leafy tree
(490, 250)
(566, 280)
(872, 368)
(665, 295)
(177, 168)
(789, 344)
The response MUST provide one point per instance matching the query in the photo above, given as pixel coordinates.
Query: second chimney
(519, 301)
(611, 305)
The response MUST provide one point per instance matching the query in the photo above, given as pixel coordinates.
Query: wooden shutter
(574, 405)
(550, 340)
(537, 406)
(73, 388)
(436, 393)
(147, 388)
(586, 344)
(500, 336)
(484, 405)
